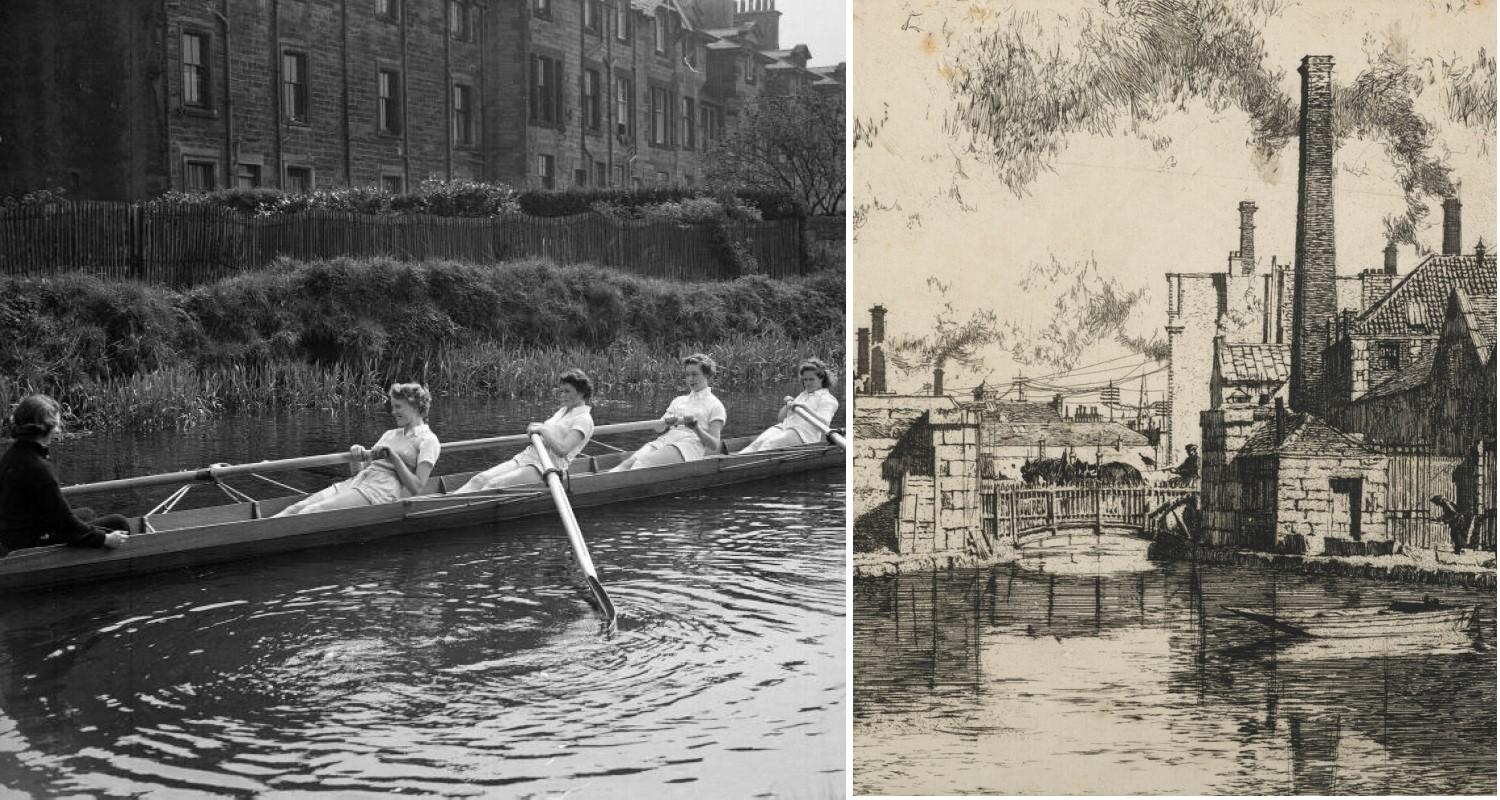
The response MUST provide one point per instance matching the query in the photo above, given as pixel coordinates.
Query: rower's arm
(709, 435)
(561, 444)
(413, 481)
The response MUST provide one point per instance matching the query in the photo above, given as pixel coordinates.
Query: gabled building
(1249, 373)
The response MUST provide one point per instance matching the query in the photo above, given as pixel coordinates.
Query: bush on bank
(330, 332)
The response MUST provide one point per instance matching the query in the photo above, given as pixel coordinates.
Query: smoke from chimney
(1452, 226)
(1313, 294)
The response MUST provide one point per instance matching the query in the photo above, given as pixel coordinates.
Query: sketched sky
(932, 211)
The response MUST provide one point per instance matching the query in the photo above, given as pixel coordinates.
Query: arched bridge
(1024, 514)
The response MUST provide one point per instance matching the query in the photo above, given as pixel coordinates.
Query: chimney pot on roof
(1479, 250)
(1390, 258)
(1452, 226)
(1247, 236)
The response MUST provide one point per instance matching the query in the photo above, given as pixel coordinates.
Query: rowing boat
(1371, 622)
(180, 539)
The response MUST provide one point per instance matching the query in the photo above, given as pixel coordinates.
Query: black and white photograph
(437, 398)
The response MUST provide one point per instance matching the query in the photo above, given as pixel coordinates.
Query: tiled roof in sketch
(1305, 435)
(1478, 313)
(1410, 377)
(1019, 412)
(1060, 433)
(1416, 304)
(1254, 362)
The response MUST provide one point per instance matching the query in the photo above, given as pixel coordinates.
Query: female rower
(692, 424)
(793, 428)
(33, 512)
(566, 433)
(399, 463)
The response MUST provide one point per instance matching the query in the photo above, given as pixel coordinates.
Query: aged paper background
(1133, 199)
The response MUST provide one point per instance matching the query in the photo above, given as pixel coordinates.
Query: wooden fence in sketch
(1018, 514)
(1416, 474)
(182, 245)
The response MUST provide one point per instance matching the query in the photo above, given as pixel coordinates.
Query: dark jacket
(33, 512)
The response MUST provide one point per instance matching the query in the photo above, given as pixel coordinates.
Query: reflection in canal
(1013, 680)
(465, 663)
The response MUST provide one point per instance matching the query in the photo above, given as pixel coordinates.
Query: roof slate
(1424, 293)
(1254, 362)
(1305, 435)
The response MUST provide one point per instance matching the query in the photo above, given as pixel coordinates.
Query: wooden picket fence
(182, 245)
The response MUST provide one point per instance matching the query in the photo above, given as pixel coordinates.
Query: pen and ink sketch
(1136, 516)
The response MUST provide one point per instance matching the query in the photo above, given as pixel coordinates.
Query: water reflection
(1013, 680)
(462, 663)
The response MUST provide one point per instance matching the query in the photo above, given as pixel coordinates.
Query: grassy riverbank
(330, 333)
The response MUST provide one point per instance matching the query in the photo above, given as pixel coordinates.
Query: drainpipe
(447, 90)
(276, 89)
(344, 89)
(405, 101)
(229, 153)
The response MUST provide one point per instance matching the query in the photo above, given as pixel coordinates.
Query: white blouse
(579, 418)
(701, 405)
(821, 404)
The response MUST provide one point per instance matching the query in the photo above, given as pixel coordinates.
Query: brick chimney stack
(1313, 294)
(765, 16)
(877, 349)
(1452, 226)
(937, 381)
(1247, 237)
(862, 352)
(1390, 258)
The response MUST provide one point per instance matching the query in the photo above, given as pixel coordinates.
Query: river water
(1041, 678)
(465, 663)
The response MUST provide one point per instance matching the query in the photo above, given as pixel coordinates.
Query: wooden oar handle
(810, 417)
(220, 471)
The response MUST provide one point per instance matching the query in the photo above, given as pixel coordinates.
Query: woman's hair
(414, 394)
(34, 417)
(819, 368)
(579, 380)
(705, 364)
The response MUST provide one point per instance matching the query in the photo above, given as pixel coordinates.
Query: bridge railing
(1014, 512)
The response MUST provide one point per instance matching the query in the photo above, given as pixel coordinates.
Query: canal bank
(1415, 567)
(122, 354)
(1420, 568)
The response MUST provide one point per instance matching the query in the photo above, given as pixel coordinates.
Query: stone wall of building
(1305, 498)
(880, 423)
(955, 460)
(1223, 503)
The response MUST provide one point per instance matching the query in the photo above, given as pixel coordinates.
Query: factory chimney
(1390, 258)
(937, 381)
(862, 352)
(1452, 226)
(1313, 293)
(1247, 237)
(877, 349)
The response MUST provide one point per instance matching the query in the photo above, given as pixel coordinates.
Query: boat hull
(1365, 623)
(239, 531)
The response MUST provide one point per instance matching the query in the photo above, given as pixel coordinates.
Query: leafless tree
(792, 144)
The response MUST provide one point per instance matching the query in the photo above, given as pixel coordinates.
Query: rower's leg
(659, 457)
(513, 475)
(627, 464)
(774, 439)
(339, 498)
(302, 505)
(488, 479)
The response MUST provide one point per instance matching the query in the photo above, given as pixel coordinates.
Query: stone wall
(955, 458)
(1224, 504)
(880, 422)
(1305, 497)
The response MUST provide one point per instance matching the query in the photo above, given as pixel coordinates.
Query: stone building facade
(1289, 483)
(307, 94)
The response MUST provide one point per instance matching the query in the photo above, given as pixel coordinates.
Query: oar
(837, 438)
(305, 462)
(570, 524)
